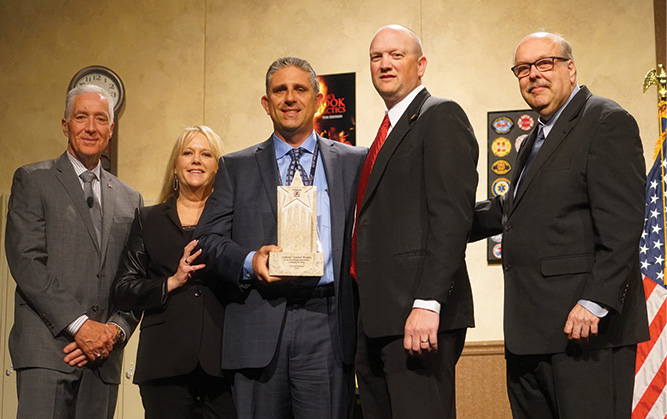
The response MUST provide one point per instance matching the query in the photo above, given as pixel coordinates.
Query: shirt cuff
(74, 327)
(431, 305)
(594, 308)
(248, 273)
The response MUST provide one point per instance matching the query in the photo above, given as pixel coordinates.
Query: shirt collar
(399, 109)
(546, 126)
(80, 168)
(282, 148)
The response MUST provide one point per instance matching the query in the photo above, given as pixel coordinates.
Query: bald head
(417, 48)
(565, 47)
(397, 63)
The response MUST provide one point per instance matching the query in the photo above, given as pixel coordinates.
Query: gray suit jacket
(59, 269)
(240, 216)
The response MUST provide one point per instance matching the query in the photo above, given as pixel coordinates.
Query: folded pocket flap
(567, 265)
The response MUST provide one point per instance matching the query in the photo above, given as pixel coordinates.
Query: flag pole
(659, 78)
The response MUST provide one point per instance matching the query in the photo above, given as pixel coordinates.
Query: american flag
(650, 395)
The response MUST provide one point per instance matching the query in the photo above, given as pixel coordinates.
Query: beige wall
(189, 62)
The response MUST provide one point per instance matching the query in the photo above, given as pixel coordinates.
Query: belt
(300, 294)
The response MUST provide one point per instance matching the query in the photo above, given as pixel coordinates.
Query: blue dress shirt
(323, 205)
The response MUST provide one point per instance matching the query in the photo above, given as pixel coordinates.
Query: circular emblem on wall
(502, 125)
(500, 186)
(497, 251)
(519, 140)
(501, 146)
(501, 167)
(525, 122)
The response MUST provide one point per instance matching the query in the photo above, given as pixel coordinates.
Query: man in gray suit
(63, 249)
(290, 341)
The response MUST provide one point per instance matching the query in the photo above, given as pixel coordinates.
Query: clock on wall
(110, 81)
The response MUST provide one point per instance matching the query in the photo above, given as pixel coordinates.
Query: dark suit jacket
(414, 222)
(573, 230)
(180, 329)
(240, 216)
(59, 269)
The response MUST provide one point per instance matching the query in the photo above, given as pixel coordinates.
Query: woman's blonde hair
(168, 191)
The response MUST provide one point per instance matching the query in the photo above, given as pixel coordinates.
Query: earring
(175, 184)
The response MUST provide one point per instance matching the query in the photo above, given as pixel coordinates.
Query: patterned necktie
(93, 204)
(363, 182)
(295, 165)
(539, 141)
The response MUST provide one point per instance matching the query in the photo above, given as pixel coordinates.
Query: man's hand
(74, 355)
(421, 331)
(581, 324)
(260, 263)
(95, 340)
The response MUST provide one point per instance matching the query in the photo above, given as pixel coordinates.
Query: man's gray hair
(565, 47)
(283, 62)
(82, 90)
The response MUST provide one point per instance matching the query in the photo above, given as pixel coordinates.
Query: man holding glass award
(290, 337)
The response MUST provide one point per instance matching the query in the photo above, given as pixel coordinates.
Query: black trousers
(394, 384)
(577, 384)
(194, 395)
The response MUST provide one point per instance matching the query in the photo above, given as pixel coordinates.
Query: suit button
(508, 267)
(508, 227)
(95, 308)
(197, 293)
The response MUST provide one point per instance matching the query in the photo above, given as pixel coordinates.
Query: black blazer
(573, 230)
(240, 216)
(179, 329)
(414, 222)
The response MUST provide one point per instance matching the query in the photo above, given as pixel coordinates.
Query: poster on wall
(336, 117)
(506, 132)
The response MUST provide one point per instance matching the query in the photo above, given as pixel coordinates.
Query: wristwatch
(120, 334)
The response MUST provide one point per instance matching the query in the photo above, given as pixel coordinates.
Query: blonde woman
(178, 361)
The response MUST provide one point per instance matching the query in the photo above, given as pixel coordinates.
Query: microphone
(90, 201)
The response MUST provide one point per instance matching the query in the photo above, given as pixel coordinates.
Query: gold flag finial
(659, 78)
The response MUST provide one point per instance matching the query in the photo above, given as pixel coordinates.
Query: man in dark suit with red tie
(571, 224)
(414, 214)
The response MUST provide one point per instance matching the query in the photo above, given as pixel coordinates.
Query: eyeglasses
(542, 65)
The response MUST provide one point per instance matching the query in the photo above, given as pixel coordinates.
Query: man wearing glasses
(571, 224)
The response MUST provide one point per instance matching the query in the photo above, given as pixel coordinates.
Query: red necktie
(363, 182)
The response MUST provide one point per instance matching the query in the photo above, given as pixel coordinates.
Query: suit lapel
(268, 171)
(566, 121)
(70, 181)
(171, 212)
(524, 152)
(396, 136)
(334, 173)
